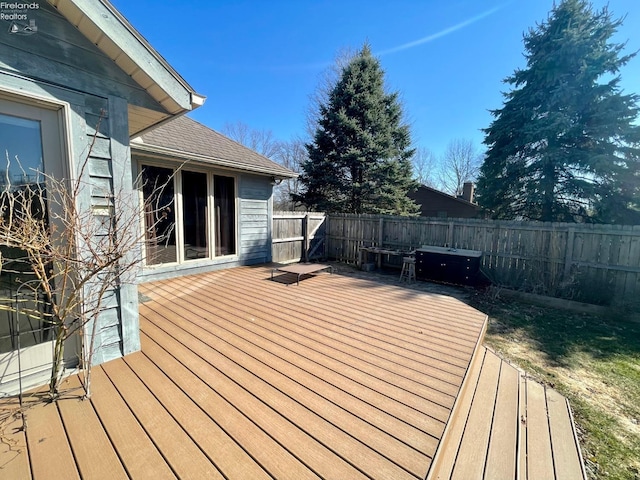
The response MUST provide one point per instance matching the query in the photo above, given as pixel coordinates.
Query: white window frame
(178, 203)
(37, 359)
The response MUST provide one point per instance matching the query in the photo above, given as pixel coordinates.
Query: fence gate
(298, 236)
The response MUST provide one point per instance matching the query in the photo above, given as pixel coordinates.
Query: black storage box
(449, 265)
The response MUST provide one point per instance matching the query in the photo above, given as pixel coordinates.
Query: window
(189, 215)
(159, 215)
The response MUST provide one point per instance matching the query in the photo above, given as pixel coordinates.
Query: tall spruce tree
(359, 161)
(564, 147)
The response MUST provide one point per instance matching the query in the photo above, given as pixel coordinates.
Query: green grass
(594, 360)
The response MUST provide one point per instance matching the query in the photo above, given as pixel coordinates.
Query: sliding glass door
(189, 215)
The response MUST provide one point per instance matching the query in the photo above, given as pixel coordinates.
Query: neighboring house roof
(434, 201)
(447, 196)
(184, 138)
(106, 28)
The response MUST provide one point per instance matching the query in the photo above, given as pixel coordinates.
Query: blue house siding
(255, 219)
(60, 55)
(61, 65)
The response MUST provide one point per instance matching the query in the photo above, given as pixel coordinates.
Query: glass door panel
(21, 172)
(194, 215)
(31, 143)
(160, 215)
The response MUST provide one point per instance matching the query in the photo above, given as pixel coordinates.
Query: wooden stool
(408, 272)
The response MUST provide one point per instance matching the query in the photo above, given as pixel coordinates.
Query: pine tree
(359, 161)
(564, 147)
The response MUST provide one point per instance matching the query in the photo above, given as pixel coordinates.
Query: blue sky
(259, 61)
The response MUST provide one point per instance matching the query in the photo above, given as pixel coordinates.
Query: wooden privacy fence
(298, 236)
(594, 263)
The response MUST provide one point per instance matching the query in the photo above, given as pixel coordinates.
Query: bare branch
(261, 141)
(460, 163)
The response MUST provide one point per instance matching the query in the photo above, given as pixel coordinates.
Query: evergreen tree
(564, 147)
(359, 161)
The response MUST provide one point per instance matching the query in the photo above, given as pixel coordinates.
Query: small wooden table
(302, 269)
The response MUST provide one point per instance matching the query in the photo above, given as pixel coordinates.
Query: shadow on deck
(243, 377)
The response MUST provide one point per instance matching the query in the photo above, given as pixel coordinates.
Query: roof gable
(109, 30)
(446, 196)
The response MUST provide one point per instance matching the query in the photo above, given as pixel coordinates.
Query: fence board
(586, 262)
(288, 235)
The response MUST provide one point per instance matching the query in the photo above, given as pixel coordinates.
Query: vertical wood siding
(254, 217)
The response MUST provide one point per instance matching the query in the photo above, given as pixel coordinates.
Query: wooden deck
(240, 377)
(507, 426)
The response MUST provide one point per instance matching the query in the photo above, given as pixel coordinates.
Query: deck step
(507, 426)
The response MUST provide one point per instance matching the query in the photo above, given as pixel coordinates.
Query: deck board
(445, 335)
(341, 377)
(502, 459)
(318, 457)
(229, 458)
(539, 455)
(267, 452)
(14, 461)
(478, 425)
(184, 456)
(445, 459)
(305, 327)
(248, 373)
(366, 303)
(48, 444)
(503, 427)
(86, 436)
(318, 316)
(138, 453)
(360, 383)
(522, 435)
(565, 450)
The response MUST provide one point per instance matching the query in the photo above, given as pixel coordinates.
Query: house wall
(60, 65)
(59, 54)
(254, 230)
(437, 204)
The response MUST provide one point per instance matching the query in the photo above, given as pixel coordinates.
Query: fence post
(568, 253)
(305, 238)
(381, 232)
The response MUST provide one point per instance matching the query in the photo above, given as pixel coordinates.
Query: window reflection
(194, 214)
(21, 175)
(196, 224)
(160, 215)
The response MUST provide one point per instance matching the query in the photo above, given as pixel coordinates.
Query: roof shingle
(186, 138)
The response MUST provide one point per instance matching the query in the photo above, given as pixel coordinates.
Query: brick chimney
(467, 191)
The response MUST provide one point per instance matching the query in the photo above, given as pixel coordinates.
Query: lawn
(594, 360)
